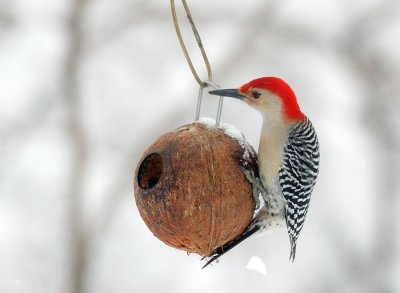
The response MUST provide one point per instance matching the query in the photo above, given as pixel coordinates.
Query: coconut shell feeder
(190, 185)
(191, 190)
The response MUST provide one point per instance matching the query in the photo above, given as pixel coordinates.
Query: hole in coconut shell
(150, 171)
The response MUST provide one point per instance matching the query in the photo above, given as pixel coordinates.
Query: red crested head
(279, 88)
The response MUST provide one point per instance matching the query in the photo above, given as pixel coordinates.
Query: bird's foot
(258, 187)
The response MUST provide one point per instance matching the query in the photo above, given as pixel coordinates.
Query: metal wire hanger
(203, 84)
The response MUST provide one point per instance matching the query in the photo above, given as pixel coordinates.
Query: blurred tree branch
(6, 16)
(77, 232)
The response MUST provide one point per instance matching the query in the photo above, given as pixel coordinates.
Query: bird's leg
(258, 187)
(271, 214)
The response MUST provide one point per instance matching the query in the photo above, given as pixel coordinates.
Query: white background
(86, 86)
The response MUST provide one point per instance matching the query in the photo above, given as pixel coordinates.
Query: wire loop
(203, 84)
(198, 40)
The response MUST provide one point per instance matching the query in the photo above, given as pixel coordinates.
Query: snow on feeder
(190, 186)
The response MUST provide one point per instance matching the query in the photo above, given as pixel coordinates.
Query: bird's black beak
(233, 93)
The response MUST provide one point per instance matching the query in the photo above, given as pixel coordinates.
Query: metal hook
(200, 98)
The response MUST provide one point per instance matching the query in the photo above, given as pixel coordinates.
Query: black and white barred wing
(297, 177)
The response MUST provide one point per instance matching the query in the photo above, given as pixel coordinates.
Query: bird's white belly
(270, 159)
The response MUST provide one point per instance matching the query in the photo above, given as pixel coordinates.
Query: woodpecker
(288, 156)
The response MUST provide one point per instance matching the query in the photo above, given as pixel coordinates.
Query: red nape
(280, 88)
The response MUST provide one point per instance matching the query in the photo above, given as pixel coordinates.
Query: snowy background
(86, 86)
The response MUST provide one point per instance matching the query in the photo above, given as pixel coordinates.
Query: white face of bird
(265, 102)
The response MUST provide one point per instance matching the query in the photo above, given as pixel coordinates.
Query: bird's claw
(257, 185)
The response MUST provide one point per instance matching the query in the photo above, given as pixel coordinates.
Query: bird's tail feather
(292, 248)
(225, 248)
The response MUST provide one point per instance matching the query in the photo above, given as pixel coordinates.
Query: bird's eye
(255, 94)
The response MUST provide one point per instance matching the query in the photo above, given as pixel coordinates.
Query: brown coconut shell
(190, 188)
